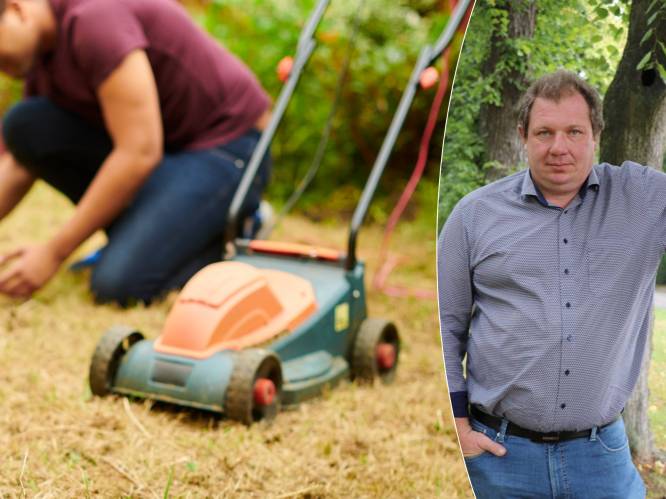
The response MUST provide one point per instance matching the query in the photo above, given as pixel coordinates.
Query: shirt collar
(592, 182)
(529, 188)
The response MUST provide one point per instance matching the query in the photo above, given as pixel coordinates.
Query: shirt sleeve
(653, 197)
(103, 34)
(454, 279)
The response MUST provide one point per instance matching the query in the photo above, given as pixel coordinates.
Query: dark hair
(556, 85)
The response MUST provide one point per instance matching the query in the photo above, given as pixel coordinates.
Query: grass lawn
(658, 380)
(355, 441)
(656, 475)
(58, 441)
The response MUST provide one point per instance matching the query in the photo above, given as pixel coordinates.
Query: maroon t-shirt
(207, 96)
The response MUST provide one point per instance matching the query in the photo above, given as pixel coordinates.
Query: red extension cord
(390, 262)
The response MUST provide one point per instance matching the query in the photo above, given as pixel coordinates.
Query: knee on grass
(20, 128)
(121, 288)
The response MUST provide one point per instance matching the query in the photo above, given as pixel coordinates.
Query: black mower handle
(426, 57)
(306, 45)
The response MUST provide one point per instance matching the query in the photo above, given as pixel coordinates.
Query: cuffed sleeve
(459, 401)
(455, 304)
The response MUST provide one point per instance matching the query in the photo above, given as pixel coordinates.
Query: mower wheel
(255, 386)
(108, 354)
(376, 351)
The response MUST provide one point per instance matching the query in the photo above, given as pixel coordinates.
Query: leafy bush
(389, 39)
(10, 92)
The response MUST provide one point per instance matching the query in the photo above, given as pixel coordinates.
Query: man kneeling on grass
(139, 118)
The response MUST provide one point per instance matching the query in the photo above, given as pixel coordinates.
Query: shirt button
(570, 337)
(563, 406)
(568, 305)
(566, 211)
(566, 373)
(565, 240)
(566, 271)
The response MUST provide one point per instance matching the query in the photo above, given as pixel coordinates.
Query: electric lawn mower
(276, 322)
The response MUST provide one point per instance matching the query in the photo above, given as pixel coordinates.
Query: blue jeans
(598, 466)
(174, 225)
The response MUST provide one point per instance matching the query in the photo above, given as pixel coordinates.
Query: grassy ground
(656, 475)
(355, 441)
(658, 380)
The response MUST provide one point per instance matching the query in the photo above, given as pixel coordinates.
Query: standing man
(143, 121)
(546, 281)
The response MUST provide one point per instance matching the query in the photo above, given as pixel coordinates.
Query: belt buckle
(548, 437)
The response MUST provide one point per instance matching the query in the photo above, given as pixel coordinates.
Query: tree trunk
(635, 115)
(504, 149)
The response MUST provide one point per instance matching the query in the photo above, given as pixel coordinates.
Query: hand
(32, 267)
(474, 443)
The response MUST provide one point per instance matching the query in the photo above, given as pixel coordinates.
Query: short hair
(554, 86)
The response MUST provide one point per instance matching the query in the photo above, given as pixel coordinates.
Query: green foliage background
(261, 32)
(586, 36)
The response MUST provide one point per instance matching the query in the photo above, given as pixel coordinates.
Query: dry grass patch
(355, 441)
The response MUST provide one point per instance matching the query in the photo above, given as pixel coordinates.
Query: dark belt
(544, 438)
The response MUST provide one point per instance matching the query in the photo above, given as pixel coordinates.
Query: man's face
(560, 144)
(19, 39)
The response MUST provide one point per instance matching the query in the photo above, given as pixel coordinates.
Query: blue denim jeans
(174, 225)
(598, 466)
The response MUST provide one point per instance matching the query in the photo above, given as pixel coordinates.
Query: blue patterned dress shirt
(551, 306)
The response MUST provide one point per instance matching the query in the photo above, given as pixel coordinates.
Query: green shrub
(262, 32)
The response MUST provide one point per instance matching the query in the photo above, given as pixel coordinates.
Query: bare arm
(15, 182)
(130, 104)
(131, 110)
